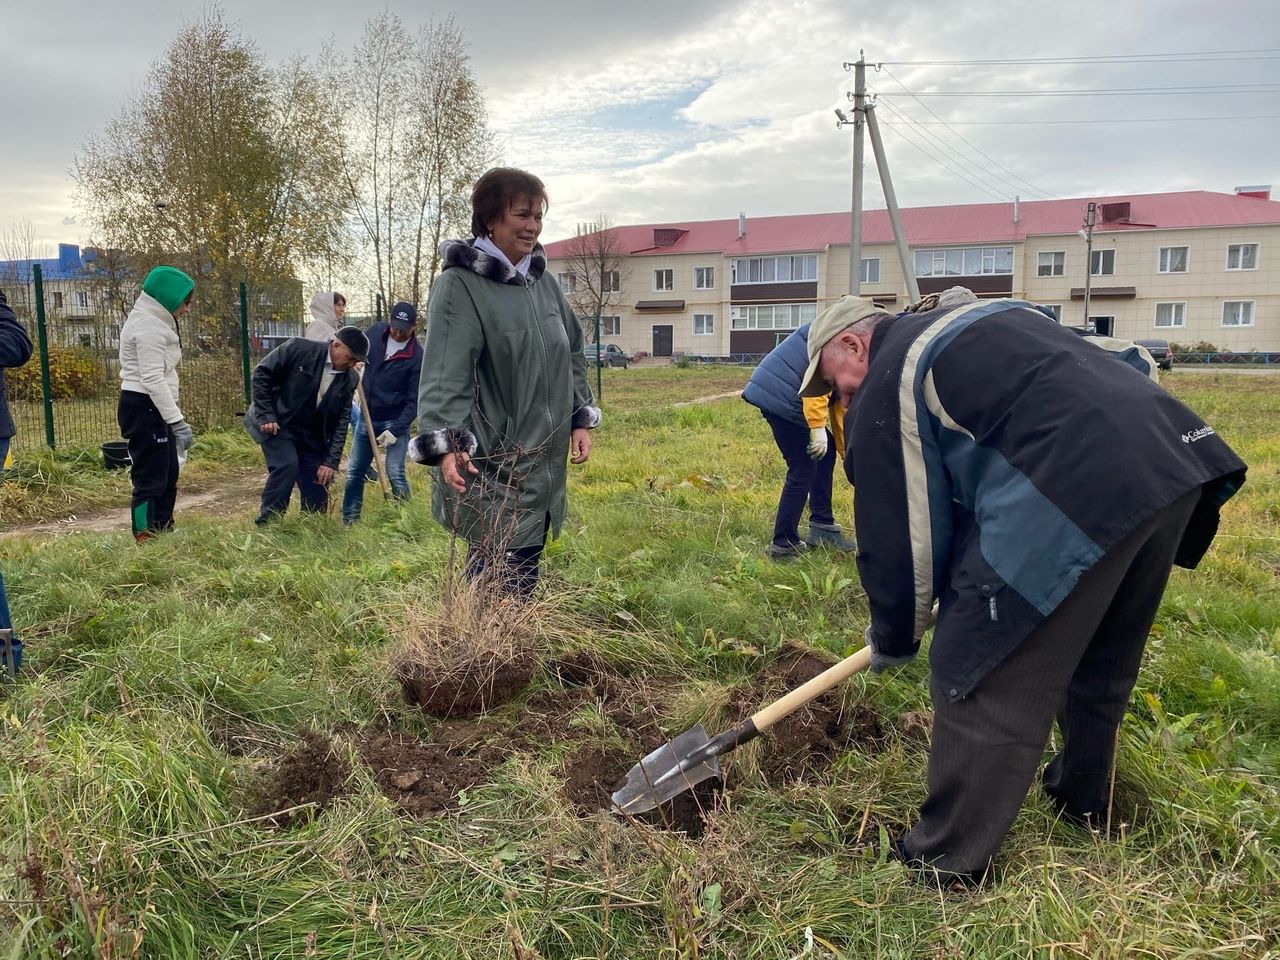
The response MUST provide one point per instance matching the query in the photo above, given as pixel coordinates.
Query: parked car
(613, 355)
(1160, 352)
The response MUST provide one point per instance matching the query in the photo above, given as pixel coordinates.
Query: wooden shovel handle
(373, 441)
(766, 717)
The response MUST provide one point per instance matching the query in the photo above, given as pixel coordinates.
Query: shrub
(74, 374)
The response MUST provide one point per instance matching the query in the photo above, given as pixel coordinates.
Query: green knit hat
(169, 285)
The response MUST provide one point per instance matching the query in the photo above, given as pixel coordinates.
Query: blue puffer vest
(775, 385)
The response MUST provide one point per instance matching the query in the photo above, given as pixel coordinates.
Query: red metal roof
(964, 223)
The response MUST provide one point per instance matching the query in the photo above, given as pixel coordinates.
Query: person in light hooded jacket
(148, 413)
(328, 307)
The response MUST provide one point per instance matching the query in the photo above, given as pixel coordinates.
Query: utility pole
(864, 113)
(1090, 217)
(855, 206)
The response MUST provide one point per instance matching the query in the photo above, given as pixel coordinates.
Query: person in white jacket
(328, 307)
(148, 414)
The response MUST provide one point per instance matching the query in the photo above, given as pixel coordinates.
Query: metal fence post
(244, 344)
(599, 360)
(46, 386)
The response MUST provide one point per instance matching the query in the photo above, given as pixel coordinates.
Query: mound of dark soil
(593, 773)
(480, 686)
(584, 668)
(809, 741)
(311, 772)
(916, 725)
(423, 778)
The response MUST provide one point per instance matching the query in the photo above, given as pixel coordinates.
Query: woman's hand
(452, 468)
(579, 445)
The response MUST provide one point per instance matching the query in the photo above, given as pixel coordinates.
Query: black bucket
(115, 455)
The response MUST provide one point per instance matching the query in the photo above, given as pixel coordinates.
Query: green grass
(145, 664)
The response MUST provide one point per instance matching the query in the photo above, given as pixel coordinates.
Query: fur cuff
(586, 418)
(430, 448)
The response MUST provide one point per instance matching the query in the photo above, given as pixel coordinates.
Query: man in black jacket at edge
(15, 350)
(1041, 489)
(302, 394)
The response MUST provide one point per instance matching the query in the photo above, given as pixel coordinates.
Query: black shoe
(789, 551)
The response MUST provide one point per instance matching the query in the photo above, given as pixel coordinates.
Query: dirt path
(234, 495)
(714, 396)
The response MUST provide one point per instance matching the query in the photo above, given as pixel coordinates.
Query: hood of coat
(322, 309)
(463, 254)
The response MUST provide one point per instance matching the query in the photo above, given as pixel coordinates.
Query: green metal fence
(66, 396)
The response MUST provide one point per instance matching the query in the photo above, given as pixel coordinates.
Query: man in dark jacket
(391, 391)
(302, 394)
(15, 350)
(1041, 489)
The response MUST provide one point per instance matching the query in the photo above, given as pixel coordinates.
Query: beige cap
(845, 312)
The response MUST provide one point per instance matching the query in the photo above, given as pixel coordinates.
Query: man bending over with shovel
(1041, 489)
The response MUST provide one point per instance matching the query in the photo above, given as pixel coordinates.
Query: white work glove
(386, 439)
(817, 443)
(182, 435)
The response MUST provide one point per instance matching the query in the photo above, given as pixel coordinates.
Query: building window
(1173, 259)
(1171, 314)
(1103, 263)
(610, 326)
(704, 278)
(1051, 263)
(568, 282)
(1242, 256)
(612, 282)
(773, 316)
(1237, 313)
(1055, 309)
(775, 269)
(965, 262)
(664, 280)
(82, 299)
(704, 324)
(869, 272)
(57, 300)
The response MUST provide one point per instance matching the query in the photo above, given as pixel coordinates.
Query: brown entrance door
(662, 340)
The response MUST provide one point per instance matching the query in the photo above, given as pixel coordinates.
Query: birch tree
(596, 269)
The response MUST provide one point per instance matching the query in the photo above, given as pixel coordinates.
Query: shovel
(693, 756)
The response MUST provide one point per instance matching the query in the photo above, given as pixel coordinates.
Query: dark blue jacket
(391, 386)
(774, 386)
(15, 350)
(998, 457)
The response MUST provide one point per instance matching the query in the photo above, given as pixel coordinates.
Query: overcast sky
(671, 109)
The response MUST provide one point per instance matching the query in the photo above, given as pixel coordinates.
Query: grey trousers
(1079, 666)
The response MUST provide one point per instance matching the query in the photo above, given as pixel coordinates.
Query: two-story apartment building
(1188, 267)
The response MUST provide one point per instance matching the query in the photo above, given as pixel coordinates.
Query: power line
(943, 161)
(1013, 123)
(1107, 92)
(1016, 177)
(1193, 56)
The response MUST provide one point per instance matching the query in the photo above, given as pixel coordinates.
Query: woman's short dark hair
(339, 299)
(497, 190)
(188, 299)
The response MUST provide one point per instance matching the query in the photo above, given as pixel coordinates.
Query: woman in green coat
(503, 398)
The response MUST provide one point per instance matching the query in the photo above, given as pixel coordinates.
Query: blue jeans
(808, 481)
(358, 461)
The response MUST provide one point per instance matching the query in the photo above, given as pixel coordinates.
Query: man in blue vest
(391, 390)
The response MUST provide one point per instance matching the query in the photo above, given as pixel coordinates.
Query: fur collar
(463, 253)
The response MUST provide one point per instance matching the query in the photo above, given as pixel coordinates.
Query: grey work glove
(386, 439)
(881, 662)
(817, 448)
(182, 435)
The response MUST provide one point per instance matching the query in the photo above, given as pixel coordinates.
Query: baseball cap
(845, 312)
(353, 339)
(404, 316)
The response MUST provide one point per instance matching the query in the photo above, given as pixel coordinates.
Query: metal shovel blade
(658, 777)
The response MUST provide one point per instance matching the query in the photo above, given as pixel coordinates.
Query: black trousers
(515, 572)
(155, 463)
(1079, 666)
(808, 481)
(293, 456)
